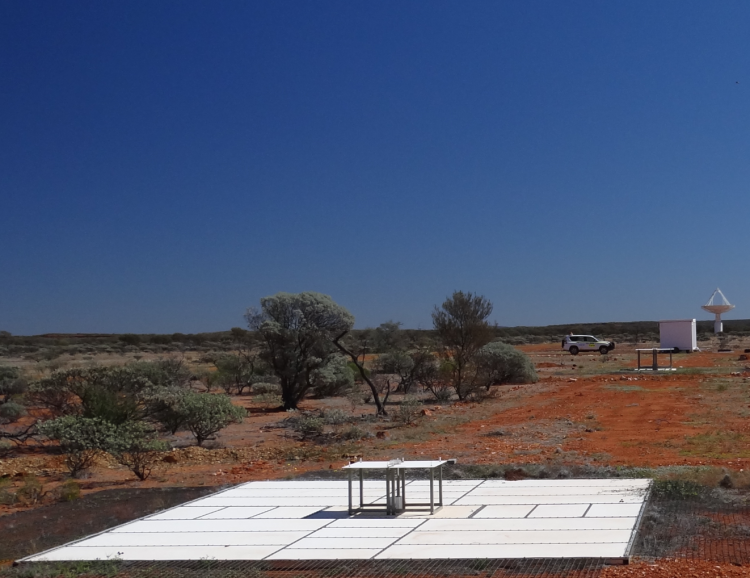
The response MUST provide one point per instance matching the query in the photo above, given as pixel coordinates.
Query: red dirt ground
(588, 409)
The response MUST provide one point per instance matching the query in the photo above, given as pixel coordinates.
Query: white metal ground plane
(309, 520)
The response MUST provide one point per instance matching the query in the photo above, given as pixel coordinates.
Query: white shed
(678, 333)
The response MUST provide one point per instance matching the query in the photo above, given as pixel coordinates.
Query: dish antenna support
(717, 305)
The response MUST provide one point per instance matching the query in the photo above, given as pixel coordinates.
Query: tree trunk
(361, 367)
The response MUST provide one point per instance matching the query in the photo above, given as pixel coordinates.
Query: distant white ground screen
(308, 520)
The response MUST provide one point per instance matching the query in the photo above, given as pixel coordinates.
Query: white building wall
(678, 333)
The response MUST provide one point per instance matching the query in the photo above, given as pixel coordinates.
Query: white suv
(577, 343)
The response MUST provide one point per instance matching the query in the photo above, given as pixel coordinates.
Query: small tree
(136, 448)
(80, 438)
(237, 372)
(500, 363)
(427, 375)
(461, 323)
(356, 349)
(206, 414)
(298, 330)
(388, 336)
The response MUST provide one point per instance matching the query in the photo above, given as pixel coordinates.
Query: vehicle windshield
(596, 338)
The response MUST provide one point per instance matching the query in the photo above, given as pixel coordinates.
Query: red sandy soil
(676, 569)
(584, 410)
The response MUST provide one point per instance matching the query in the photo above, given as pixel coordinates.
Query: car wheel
(604, 350)
(574, 350)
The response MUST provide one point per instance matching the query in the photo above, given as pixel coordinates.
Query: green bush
(69, 491)
(206, 414)
(11, 382)
(335, 417)
(31, 492)
(81, 438)
(334, 378)
(7, 497)
(408, 410)
(268, 400)
(11, 412)
(6, 448)
(308, 425)
(499, 363)
(136, 448)
(354, 433)
(265, 388)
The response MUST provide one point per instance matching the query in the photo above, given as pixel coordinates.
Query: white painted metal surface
(308, 520)
(679, 333)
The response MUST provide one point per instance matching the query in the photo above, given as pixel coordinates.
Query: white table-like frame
(395, 484)
(655, 351)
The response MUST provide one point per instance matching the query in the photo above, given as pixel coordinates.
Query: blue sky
(163, 165)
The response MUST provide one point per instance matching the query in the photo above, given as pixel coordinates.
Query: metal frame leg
(440, 485)
(350, 492)
(361, 489)
(387, 492)
(432, 491)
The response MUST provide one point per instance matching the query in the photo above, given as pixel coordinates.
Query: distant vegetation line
(51, 345)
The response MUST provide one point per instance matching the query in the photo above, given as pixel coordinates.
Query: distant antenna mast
(717, 306)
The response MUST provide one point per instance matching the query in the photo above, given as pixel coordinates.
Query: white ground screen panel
(306, 520)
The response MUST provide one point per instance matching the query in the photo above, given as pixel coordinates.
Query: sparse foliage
(408, 410)
(461, 323)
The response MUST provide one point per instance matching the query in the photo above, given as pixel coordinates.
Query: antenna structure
(717, 305)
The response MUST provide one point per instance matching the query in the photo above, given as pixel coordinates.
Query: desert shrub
(308, 425)
(334, 378)
(206, 414)
(335, 417)
(113, 394)
(135, 447)
(442, 391)
(7, 496)
(6, 448)
(263, 388)
(11, 412)
(408, 410)
(164, 404)
(80, 438)
(499, 363)
(166, 372)
(236, 372)
(68, 491)
(400, 364)
(130, 339)
(31, 492)
(354, 433)
(11, 383)
(268, 400)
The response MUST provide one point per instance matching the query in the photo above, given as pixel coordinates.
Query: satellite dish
(717, 305)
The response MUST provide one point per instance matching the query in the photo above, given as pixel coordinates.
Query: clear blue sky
(163, 165)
